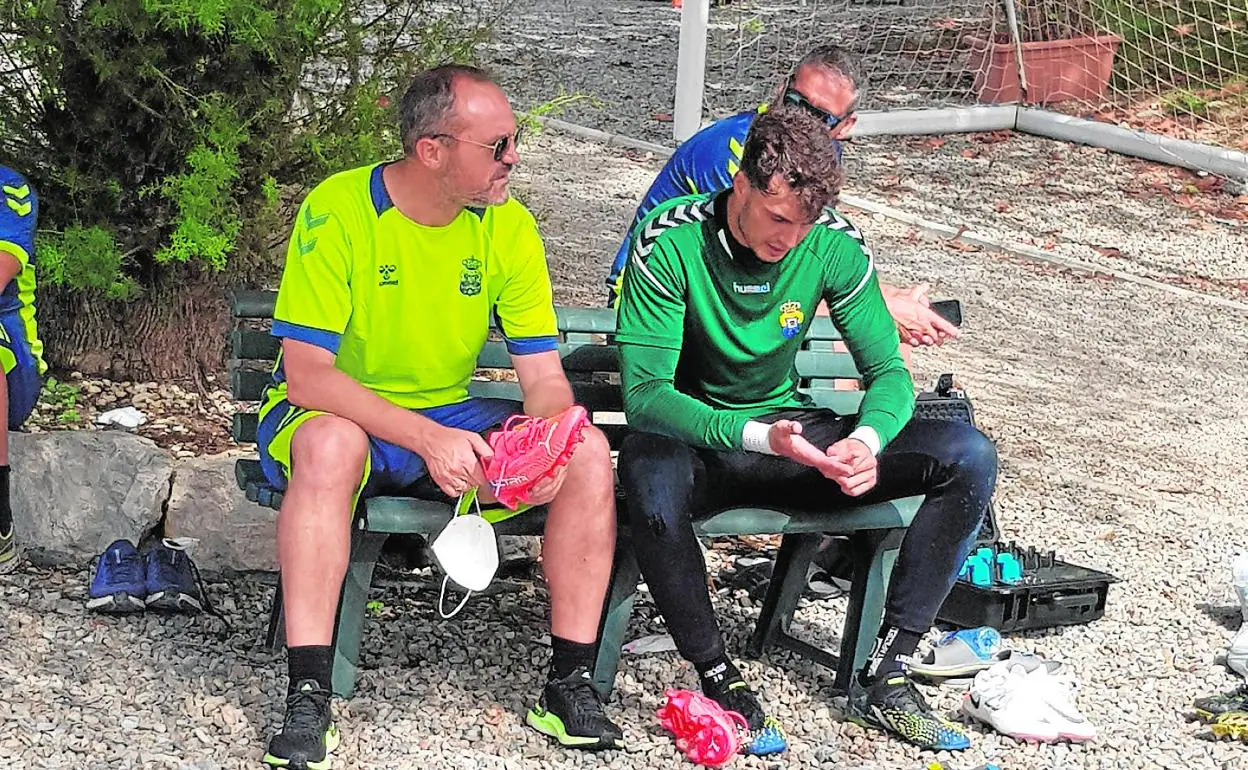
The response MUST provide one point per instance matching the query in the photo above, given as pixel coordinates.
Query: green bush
(163, 132)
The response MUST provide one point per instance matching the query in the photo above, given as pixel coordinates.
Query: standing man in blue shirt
(21, 352)
(824, 84)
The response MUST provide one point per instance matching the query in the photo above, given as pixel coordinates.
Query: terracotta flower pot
(1058, 70)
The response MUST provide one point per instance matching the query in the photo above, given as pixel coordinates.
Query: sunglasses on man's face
(792, 96)
(499, 147)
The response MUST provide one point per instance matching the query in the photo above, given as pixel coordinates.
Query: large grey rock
(234, 533)
(74, 492)
(519, 549)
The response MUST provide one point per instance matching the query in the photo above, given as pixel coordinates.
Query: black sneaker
(1211, 707)
(570, 711)
(895, 705)
(740, 698)
(765, 735)
(308, 735)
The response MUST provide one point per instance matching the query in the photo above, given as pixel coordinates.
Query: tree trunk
(176, 330)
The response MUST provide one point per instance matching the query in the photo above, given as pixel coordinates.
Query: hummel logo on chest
(389, 275)
(751, 288)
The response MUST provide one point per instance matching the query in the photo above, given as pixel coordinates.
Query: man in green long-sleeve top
(717, 297)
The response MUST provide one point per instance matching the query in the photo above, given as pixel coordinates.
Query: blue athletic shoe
(172, 580)
(118, 584)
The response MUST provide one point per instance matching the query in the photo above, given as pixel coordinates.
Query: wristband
(867, 435)
(754, 437)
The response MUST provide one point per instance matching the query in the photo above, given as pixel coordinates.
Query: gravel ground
(1118, 411)
(1074, 201)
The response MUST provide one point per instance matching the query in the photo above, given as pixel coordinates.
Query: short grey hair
(832, 59)
(430, 101)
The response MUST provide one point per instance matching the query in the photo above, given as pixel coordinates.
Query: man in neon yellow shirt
(20, 348)
(392, 274)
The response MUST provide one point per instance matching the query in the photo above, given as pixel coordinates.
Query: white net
(911, 54)
(1181, 68)
(1173, 67)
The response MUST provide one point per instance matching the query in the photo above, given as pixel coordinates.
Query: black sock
(6, 512)
(567, 656)
(314, 662)
(892, 643)
(716, 675)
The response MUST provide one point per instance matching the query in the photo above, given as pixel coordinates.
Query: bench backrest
(589, 358)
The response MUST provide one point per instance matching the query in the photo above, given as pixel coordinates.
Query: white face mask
(466, 550)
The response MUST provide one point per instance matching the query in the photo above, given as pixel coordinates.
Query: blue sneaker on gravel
(119, 583)
(172, 579)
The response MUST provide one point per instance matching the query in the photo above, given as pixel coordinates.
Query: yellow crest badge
(791, 318)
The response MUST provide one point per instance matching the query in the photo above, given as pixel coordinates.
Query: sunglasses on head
(792, 96)
(499, 147)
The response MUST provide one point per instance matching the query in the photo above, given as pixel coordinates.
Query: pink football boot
(706, 733)
(529, 449)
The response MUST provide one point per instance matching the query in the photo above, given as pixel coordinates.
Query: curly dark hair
(786, 142)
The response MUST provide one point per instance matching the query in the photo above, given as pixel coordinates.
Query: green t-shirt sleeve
(525, 307)
(650, 332)
(314, 299)
(852, 291)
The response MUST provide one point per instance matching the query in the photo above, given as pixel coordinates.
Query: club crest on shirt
(470, 278)
(791, 318)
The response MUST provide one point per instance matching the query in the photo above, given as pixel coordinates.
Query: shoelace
(582, 694)
(129, 570)
(520, 433)
(907, 698)
(742, 701)
(209, 607)
(304, 710)
(1058, 692)
(519, 428)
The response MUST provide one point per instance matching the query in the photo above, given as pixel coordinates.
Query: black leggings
(669, 484)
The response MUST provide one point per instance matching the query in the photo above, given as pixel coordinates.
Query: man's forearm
(658, 407)
(653, 403)
(887, 404)
(872, 338)
(328, 389)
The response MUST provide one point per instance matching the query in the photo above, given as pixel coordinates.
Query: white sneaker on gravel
(1058, 693)
(1033, 705)
(996, 698)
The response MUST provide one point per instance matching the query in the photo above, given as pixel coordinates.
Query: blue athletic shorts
(392, 469)
(20, 369)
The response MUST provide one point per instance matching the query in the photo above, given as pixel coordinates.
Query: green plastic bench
(592, 364)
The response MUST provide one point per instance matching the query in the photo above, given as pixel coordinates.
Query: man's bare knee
(594, 451)
(590, 466)
(328, 452)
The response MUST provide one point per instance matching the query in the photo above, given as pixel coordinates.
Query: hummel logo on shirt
(751, 288)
